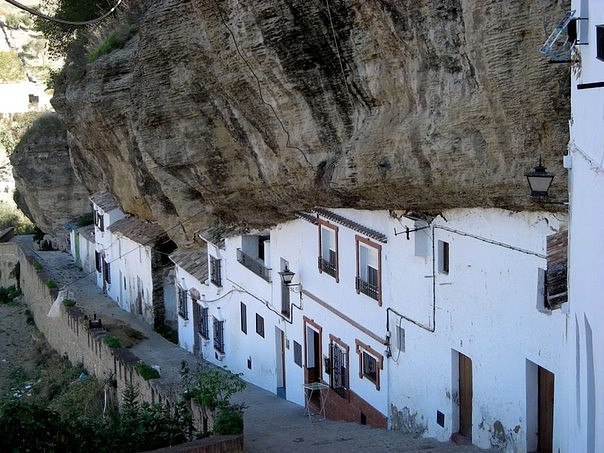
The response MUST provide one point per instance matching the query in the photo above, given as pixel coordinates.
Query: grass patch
(168, 333)
(112, 342)
(146, 371)
(69, 302)
(51, 284)
(114, 40)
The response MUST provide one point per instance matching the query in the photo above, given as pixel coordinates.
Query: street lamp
(539, 180)
(287, 276)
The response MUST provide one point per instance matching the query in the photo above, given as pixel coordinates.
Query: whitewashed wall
(105, 243)
(585, 355)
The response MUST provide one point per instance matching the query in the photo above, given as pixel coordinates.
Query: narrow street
(271, 423)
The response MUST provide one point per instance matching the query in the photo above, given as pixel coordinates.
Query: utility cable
(63, 21)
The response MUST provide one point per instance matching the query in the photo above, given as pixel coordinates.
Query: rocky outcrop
(245, 112)
(47, 190)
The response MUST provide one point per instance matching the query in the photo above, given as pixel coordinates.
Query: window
(107, 272)
(99, 221)
(98, 261)
(443, 257)
(259, 325)
(368, 280)
(369, 367)
(243, 318)
(600, 42)
(204, 327)
(370, 363)
(219, 335)
(328, 249)
(298, 354)
(215, 271)
(338, 366)
(182, 303)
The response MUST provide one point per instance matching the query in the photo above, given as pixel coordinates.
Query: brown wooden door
(546, 411)
(465, 396)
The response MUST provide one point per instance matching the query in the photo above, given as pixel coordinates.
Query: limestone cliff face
(47, 190)
(247, 111)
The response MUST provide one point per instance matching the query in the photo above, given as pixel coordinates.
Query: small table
(309, 389)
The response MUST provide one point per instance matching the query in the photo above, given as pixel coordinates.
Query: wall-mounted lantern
(539, 180)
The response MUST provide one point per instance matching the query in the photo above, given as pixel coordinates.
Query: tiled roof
(87, 232)
(138, 230)
(194, 260)
(307, 216)
(351, 224)
(104, 200)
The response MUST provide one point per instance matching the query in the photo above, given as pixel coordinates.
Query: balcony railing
(253, 264)
(327, 267)
(367, 288)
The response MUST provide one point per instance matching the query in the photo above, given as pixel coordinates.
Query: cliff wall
(243, 112)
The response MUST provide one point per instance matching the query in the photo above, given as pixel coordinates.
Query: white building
(132, 264)
(446, 331)
(83, 247)
(585, 354)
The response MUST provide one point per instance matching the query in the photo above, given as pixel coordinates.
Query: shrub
(112, 342)
(146, 371)
(114, 40)
(211, 387)
(229, 421)
(69, 302)
(37, 266)
(168, 333)
(7, 295)
(29, 318)
(11, 68)
(10, 216)
(51, 284)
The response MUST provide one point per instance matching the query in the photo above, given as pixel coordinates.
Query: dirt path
(20, 345)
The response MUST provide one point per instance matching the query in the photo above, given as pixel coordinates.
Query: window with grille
(219, 335)
(297, 353)
(99, 221)
(370, 363)
(338, 357)
(259, 325)
(98, 261)
(107, 271)
(243, 310)
(204, 328)
(215, 271)
(182, 303)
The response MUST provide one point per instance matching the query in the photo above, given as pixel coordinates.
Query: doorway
(280, 365)
(539, 408)
(312, 337)
(465, 396)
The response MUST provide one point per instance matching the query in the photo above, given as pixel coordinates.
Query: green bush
(69, 302)
(51, 284)
(10, 216)
(211, 387)
(228, 421)
(11, 68)
(7, 295)
(146, 371)
(37, 266)
(14, 20)
(112, 342)
(29, 318)
(168, 333)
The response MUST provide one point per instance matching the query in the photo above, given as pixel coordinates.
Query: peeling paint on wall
(407, 422)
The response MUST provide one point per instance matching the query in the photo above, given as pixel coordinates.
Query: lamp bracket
(407, 230)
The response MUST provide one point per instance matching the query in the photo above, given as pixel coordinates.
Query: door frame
(310, 324)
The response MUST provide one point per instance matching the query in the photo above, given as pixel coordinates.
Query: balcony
(254, 264)
(327, 267)
(368, 289)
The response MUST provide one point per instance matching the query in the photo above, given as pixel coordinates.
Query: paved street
(271, 424)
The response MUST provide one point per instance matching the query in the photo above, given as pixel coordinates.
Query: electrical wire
(63, 21)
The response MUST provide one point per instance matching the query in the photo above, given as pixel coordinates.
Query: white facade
(83, 246)
(484, 301)
(585, 355)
